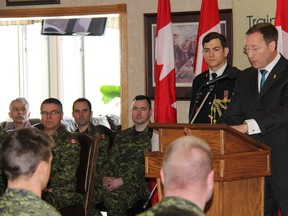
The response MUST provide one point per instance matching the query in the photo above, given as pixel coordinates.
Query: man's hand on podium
(243, 128)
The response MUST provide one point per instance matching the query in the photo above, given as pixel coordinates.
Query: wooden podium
(239, 162)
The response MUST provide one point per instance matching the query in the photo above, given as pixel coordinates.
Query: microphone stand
(149, 197)
(195, 104)
(211, 87)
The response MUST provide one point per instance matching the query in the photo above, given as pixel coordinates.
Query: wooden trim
(124, 72)
(88, 10)
(160, 189)
(63, 11)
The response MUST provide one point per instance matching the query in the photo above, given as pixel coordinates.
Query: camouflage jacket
(126, 159)
(24, 203)
(3, 135)
(174, 206)
(66, 157)
(3, 180)
(92, 131)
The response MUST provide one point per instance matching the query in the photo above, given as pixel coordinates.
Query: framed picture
(185, 29)
(30, 2)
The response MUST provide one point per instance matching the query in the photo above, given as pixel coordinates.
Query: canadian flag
(209, 22)
(165, 90)
(281, 23)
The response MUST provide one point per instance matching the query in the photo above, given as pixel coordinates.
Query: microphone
(231, 74)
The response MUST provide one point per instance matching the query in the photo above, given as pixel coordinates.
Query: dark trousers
(274, 198)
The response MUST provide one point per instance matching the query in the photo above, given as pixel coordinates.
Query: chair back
(91, 172)
(82, 173)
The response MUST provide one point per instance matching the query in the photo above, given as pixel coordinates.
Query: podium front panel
(239, 163)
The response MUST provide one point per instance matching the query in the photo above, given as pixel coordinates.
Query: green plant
(109, 92)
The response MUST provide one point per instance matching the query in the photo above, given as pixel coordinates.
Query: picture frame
(30, 2)
(185, 29)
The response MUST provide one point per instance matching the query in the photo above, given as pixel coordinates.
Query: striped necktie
(263, 73)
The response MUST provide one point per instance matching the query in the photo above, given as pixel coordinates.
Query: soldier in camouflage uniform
(123, 181)
(26, 160)
(61, 189)
(3, 179)
(187, 177)
(82, 114)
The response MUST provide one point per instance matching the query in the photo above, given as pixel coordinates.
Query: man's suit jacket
(223, 89)
(270, 110)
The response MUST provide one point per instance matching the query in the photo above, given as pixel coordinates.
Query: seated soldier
(82, 114)
(123, 179)
(61, 189)
(26, 160)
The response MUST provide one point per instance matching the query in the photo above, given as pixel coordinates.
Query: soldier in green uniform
(123, 179)
(3, 179)
(61, 189)
(26, 160)
(187, 177)
(82, 114)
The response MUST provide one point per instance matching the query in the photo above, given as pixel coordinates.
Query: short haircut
(143, 97)
(52, 101)
(214, 35)
(187, 161)
(268, 31)
(23, 150)
(79, 100)
(19, 99)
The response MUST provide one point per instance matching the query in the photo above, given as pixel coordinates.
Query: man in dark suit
(215, 52)
(261, 110)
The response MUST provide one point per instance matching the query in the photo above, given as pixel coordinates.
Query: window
(65, 67)
(9, 81)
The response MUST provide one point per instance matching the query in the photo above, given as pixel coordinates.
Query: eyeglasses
(52, 113)
(254, 49)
